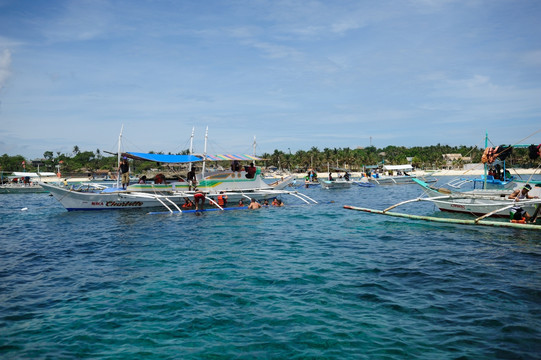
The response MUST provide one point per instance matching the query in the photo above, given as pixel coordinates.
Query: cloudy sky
(295, 74)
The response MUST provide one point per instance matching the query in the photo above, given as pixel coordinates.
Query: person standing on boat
(125, 173)
(235, 166)
(191, 178)
(250, 171)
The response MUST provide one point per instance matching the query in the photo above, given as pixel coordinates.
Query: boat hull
(118, 199)
(477, 202)
(335, 184)
(21, 189)
(398, 180)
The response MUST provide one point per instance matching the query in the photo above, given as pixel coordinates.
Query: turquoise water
(298, 282)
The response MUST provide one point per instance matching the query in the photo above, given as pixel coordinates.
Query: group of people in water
(221, 200)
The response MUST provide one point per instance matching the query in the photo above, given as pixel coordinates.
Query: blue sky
(295, 74)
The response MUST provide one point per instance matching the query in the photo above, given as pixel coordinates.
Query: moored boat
(479, 201)
(22, 183)
(221, 188)
(483, 204)
(335, 183)
(402, 176)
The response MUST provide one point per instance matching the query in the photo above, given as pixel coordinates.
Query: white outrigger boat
(401, 179)
(216, 186)
(335, 183)
(223, 189)
(478, 201)
(341, 182)
(23, 183)
(481, 203)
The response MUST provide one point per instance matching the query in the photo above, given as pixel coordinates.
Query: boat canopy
(182, 159)
(161, 158)
(33, 174)
(239, 157)
(398, 167)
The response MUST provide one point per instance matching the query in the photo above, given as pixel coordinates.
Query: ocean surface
(297, 282)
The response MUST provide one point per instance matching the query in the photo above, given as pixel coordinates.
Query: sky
(292, 74)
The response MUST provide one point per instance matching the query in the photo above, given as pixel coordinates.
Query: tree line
(422, 157)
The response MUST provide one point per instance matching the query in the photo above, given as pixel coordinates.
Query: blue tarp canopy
(161, 158)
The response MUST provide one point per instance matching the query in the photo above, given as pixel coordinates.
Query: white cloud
(5, 65)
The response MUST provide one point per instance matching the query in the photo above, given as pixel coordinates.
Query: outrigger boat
(481, 203)
(22, 183)
(478, 201)
(342, 182)
(335, 183)
(216, 185)
(401, 179)
(220, 187)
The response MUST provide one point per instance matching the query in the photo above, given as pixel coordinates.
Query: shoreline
(417, 173)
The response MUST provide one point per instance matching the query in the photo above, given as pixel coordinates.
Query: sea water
(297, 282)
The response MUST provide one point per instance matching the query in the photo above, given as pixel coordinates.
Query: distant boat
(342, 182)
(335, 183)
(18, 188)
(402, 178)
(22, 183)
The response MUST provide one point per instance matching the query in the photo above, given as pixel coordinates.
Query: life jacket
(484, 158)
(221, 200)
(490, 154)
(187, 205)
(521, 221)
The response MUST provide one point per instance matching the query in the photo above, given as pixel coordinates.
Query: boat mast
(255, 145)
(191, 146)
(118, 156)
(205, 153)
(486, 145)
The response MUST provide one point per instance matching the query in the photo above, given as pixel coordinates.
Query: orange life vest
(222, 200)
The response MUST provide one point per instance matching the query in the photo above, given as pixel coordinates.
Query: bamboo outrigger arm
(450, 221)
(415, 200)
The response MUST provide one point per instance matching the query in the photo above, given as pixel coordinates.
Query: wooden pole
(449, 221)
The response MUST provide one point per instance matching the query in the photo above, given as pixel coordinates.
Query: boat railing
(457, 183)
